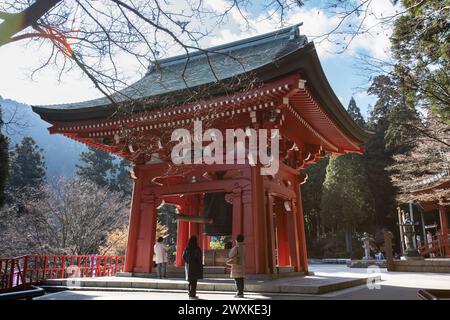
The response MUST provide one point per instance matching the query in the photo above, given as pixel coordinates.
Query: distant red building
(272, 81)
(431, 204)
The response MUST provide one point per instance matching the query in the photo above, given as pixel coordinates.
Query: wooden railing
(439, 246)
(21, 272)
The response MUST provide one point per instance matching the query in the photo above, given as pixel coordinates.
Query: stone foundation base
(366, 263)
(427, 265)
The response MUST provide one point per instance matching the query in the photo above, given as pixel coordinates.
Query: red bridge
(21, 272)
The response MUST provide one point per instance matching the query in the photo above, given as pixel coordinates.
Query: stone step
(296, 285)
(175, 275)
(179, 272)
(213, 272)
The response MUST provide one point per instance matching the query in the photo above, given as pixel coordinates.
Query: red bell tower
(273, 82)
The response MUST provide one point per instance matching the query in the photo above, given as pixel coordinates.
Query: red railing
(439, 246)
(23, 271)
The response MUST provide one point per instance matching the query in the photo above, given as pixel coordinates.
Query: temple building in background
(431, 198)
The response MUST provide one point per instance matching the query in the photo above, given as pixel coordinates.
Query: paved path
(393, 285)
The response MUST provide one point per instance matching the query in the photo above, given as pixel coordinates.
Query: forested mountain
(61, 154)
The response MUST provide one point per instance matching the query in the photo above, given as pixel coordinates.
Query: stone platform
(440, 265)
(309, 284)
(367, 263)
(215, 272)
(329, 261)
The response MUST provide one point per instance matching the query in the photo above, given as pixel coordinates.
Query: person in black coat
(193, 265)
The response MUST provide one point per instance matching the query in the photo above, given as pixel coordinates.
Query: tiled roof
(208, 74)
(203, 67)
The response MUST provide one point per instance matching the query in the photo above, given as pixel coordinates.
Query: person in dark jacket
(193, 265)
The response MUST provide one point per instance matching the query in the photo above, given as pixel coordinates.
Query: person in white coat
(160, 250)
(236, 259)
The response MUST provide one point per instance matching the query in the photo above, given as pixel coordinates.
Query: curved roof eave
(322, 91)
(303, 60)
(306, 61)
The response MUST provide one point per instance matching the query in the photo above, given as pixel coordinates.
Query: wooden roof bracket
(285, 105)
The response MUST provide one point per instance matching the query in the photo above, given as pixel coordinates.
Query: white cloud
(316, 23)
(17, 60)
(377, 40)
(16, 63)
(360, 95)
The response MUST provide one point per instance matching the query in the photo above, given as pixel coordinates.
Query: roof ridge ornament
(295, 31)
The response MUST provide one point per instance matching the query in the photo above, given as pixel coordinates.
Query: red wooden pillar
(282, 237)
(133, 225)
(259, 221)
(292, 235)
(193, 209)
(190, 206)
(237, 227)
(444, 228)
(300, 229)
(182, 240)
(201, 237)
(272, 261)
(206, 242)
(268, 236)
(248, 230)
(142, 228)
(147, 235)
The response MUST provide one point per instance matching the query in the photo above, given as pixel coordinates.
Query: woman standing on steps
(237, 262)
(193, 265)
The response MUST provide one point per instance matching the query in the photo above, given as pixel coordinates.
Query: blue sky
(345, 81)
(17, 60)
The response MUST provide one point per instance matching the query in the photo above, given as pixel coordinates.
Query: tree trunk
(13, 23)
(348, 238)
(318, 226)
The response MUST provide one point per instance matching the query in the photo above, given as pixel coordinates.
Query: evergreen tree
(420, 47)
(394, 125)
(311, 198)
(391, 115)
(97, 166)
(4, 160)
(123, 181)
(103, 169)
(346, 199)
(27, 166)
(376, 160)
(393, 122)
(355, 113)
